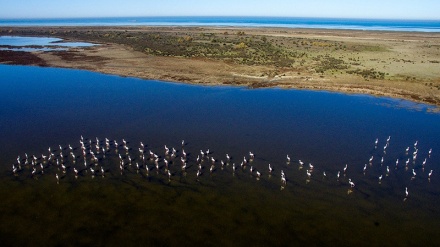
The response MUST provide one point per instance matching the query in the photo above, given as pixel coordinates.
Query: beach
(404, 65)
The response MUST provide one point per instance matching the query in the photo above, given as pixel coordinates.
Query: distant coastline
(238, 21)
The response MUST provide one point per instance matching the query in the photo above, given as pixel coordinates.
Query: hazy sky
(389, 9)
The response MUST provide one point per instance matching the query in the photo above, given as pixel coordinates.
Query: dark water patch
(42, 108)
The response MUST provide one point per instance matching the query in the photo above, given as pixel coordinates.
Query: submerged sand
(394, 64)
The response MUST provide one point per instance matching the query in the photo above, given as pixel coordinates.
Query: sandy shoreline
(394, 64)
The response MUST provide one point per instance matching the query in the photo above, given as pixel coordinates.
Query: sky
(374, 9)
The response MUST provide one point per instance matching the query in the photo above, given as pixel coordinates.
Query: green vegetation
(281, 53)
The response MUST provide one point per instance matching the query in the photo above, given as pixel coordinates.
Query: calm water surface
(47, 107)
(37, 43)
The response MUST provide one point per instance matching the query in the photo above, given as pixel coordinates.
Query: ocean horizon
(238, 21)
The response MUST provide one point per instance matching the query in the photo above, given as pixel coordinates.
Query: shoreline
(392, 64)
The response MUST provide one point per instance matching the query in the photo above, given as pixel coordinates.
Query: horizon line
(219, 16)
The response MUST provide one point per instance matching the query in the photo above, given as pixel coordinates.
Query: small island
(393, 64)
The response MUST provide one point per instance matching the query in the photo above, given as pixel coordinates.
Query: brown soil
(395, 64)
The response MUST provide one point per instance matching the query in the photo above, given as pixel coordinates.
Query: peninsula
(394, 64)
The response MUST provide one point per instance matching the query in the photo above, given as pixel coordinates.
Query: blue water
(289, 22)
(47, 107)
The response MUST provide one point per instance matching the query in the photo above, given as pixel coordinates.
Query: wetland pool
(30, 44)
(51, 107)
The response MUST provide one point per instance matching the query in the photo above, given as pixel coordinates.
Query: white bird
(424, 162)
(406, 192)
(351, 183)
(251, 155)
(270, 169)
(389, 138)
(371, 159)
(414, 172)
(252, 168)
(376, 142)
(388, 169)
(228, 157)
(365, 168)
(338, 175)
(58, 178)
(429, 174)
(345, 168)
(310, 166)
(258, 174)
(381, 161)
(301, 163)
(415, 144)
(397, 162)
(288, 159)
(407, 150)
(380, 178)
(430, 152)
(283, 180)
(308, 174)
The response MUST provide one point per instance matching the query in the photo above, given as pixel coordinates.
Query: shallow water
(46, 107)
(37, 43)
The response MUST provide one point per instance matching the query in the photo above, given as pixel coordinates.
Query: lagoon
(48, 107)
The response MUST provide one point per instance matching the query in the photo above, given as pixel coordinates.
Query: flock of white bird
(171, 162)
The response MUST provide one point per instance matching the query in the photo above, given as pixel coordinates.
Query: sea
(226, 21)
